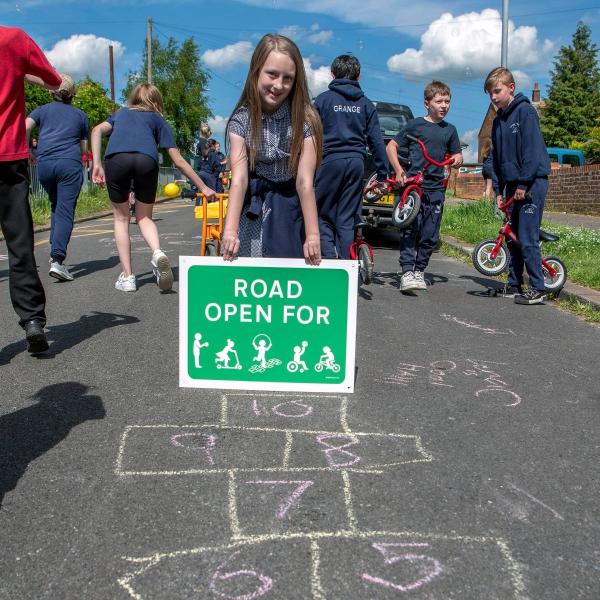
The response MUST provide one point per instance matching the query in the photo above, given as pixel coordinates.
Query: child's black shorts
(125, 169)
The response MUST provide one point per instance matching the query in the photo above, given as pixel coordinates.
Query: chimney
(535, 97)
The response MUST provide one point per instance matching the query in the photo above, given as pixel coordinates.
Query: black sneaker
(35, 336)
(531, 297)
(510, 291)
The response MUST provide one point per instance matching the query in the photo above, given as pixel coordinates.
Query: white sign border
(346, 386)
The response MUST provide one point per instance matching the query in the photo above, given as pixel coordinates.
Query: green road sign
(267, 324)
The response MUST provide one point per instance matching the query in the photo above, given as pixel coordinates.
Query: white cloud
(470, 137)
(318, 79)
(468, 46)
(320, 37)
(84, 54)
(384, 13)
(218, 124)
(228, 56)
(294, 32)
(315, 35)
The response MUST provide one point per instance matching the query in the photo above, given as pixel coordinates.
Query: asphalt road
(465, 466)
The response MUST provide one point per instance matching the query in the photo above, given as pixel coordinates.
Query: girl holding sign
(275, 139)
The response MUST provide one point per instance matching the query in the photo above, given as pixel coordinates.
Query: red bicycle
(491, 257)
(362, 251)
(408, 200)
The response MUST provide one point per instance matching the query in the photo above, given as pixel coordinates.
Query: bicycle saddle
(548, 237)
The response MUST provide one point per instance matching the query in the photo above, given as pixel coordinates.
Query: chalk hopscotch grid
(239, 540)
(147, 562)
(343, 400)
(426, 456)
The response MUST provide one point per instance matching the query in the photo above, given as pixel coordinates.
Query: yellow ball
(172, 190)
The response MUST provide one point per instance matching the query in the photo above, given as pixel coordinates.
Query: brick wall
(575, 189)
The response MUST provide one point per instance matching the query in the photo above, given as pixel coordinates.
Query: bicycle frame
(415, 181)
(359, 241)
(506, 231)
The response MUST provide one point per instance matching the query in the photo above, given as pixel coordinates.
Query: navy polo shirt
(138, 131)
(62, 127)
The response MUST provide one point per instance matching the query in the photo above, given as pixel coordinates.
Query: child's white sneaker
(126, 284)
(408, 282)
(420, 283)
(161, 268)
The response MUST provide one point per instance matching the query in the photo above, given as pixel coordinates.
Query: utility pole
(111, 64)
(504, 54)
(149, 48)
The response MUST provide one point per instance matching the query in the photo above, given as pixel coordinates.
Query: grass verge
(578, 247)
(90, 202)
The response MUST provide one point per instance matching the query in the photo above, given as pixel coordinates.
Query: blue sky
(401, 45)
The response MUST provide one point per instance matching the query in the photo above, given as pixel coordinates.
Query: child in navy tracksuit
(418, 241)
(521, 169)
(350, 122)
(64, 130)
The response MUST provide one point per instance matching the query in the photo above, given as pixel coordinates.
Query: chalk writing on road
(482, 375)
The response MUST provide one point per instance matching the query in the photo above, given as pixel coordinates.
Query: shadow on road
(30, 432)
(63, 337)
(92, 266)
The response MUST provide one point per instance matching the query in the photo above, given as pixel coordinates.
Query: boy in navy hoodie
(350, 123)
(521, 168)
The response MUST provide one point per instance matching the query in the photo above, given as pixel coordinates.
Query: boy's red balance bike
(408, 199)
(491, 257)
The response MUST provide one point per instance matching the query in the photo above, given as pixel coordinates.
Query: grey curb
(571, 290)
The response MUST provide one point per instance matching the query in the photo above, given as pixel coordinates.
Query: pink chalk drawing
(257, 409)
(307, 409)
(391, 557)
(278, 409)
(208, 446)
(292, 499)
(515, 397)
(438, 370)
(339, 449)
(219, 577)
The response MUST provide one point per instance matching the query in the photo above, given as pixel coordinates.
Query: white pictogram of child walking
(222, 357)
(297, 364)
(197, 346)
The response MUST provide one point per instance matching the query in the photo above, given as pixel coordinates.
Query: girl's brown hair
(299, 97)
(146, 97)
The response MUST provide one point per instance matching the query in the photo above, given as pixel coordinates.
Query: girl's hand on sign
(312, 249)
(231, 245)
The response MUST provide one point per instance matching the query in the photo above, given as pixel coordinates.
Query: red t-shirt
(19, 56)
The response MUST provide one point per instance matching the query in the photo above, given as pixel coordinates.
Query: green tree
(591, 147)
(35, 96)
(92, 99)
(178, 74)
(573, 103)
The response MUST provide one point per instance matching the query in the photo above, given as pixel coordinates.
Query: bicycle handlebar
(504, 205)
(431, 161)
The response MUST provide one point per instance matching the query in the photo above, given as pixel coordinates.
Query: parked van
(566, 156)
